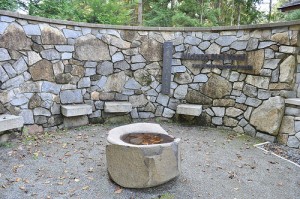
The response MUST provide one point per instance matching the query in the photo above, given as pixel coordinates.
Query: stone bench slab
(189, 109)
(117, 107)
(8, 122)
(76, 110)
(293, 101)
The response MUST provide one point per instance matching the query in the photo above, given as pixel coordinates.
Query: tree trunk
(270, 11)
(140, 13)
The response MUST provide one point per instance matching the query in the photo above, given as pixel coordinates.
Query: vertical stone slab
(167, 64)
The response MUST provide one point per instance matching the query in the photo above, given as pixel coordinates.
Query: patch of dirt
(283, 151)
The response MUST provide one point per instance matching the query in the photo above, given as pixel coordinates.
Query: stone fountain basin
(141, 166)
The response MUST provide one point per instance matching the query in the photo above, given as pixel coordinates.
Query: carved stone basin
(142, 155)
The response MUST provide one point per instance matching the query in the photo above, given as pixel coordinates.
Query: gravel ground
(215, 164)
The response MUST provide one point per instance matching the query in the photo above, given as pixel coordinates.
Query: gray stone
(163, 99)
(225, 40)
(8, 122)
(71, 33)
(195, 50)
(76, 110)
(252, 44)
(168, 113)
(31, 29)
(90, 64)
(243, 122)
(122, 65)
(49, 87)
(117, 42)
(19, 100)
(3, 75)
(250, 130)
(143, 77)
(263, 94)
(266, 72)
(239, 45)
(52, 35)
(41, 111)
(137, 59)
(271, 63)
(27, 116)
(3, 27)
(192, 40)
(296, 125)
(288, 49)
(217, 120)
(76, 121)
(260, 82)
(90, 48)
(269, 54)
(64, 48)
(138, 100)
(268, 116)
(137, 66)
(105, 68)
(151, 50)
(85, 82)
(213, 49)
(298, 135)
(20, 66)
(293, 142)
(90, 71)
(210, 36)
(265, 44)
(178, 69)
(50, 54)
(266, 137)
(33, 57)
(200, 78)
(234, 76)
(71, 96)
(253, 102)
(275, 75)
(204, 45)
(230, 122)
(117, 57)
(180, 92)
(10, 71)
(287, 69)
(195, 97)
(219, 111)
(132, 84)
(13, 83)
(115, 82)
(250, 91)
(292, 111)
(4, 56)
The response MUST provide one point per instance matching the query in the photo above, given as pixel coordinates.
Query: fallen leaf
(76, 180)
(85, 188)
(118, 190)
(22, 188)
(18, 180)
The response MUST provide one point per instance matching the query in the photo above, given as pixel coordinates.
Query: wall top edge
(143, 28)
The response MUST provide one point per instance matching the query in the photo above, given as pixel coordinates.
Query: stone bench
(189, 109)
(117, 107)
(76, 115)
(8, 122)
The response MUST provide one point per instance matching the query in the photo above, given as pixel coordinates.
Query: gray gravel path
(215, 164)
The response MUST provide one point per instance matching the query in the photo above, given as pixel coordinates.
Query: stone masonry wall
(48, 63)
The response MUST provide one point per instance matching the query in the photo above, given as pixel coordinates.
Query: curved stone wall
(48, 63)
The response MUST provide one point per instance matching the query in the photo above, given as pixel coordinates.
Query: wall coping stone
(142, 28)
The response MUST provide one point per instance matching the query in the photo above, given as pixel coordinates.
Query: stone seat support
(76, 115)
(117, 107)
(8, 122)
(189, 109)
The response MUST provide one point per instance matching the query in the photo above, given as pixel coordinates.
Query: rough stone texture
(76, 110)
(195, 97)
(287, 125)
(233, 112)
(189, 109)
(282, 38)
(4, 55)
(255, 59)
(180, 92)
(14, 38)
(71, 96)
(76, 121)
(138, 100)
(293, 142)
(142, 77)
(223, 102)
(287, 69)
(216, 87)
(117, 107)
(90, 48)
(42, 70)
(52, 35)
(183, 78)
(151, 50)
(267, 117)
(266, 137)
(260, 82)
(115, 82)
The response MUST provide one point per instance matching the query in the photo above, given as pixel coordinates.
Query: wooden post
(140, 12)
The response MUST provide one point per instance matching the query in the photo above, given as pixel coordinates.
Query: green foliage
(8, 5)
(182, 20)
(293, 15)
